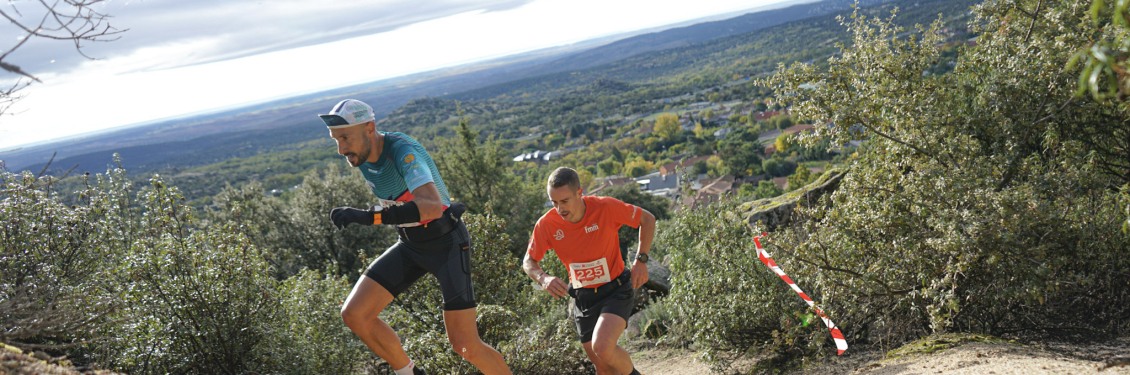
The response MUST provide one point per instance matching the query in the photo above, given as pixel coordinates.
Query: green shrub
(57, 261)
(976, 206)
(922, 258)
(723, 298)
(196, 301)
(143, 287)
(308, 336)
(297, 233)
(547, 347)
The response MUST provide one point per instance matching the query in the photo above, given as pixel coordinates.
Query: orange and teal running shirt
(403, 166)
(590, 249)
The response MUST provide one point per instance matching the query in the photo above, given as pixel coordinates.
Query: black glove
(342, 216)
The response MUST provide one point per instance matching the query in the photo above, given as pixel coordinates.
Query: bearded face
(353, 143)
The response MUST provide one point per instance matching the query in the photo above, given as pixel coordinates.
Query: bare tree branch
(70, 20)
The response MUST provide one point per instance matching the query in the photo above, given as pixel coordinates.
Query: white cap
(347, 113)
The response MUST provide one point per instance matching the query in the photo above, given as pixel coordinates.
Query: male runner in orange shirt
(582, 230)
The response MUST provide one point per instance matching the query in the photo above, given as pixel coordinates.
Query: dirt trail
(968, 358)
(987, 358)
(669, 362)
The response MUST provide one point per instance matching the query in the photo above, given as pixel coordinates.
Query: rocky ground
(945, 355)
(13, 361)
(939, 355)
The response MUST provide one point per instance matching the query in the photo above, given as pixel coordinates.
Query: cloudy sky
(180, 57)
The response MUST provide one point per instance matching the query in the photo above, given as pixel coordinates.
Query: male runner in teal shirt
(432, 239)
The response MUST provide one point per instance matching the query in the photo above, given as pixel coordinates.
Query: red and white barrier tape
(841, 343)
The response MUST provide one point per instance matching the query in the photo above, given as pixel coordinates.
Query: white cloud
(160, 80)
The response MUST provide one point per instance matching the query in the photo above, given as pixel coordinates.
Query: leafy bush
(297, 234)
(478, 174)
(725, 300)
(767, 189)
(308, 335)
(57, 261)
(778, 166)
(128, 282)
(977, 206)
(196, 301)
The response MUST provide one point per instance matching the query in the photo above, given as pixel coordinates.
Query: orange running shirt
(589, 249)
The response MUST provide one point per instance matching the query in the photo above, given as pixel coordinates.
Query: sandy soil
(669, 362)
(967, 358)
(986, 358)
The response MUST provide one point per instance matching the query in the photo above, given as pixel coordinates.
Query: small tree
(477, 174)
(747, 190)
(667, 126)
(700, 167)
(636, 170)
(767, 189)
(608, 167)
(799, 179)
(783, 142)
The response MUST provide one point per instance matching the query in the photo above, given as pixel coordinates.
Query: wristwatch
(642, 257)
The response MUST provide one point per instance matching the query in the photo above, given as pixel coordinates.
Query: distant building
(552, 155)
(768, 114)
(799, 128)
(753, 179)
(535, 157)
(768, 136)
(721, 185)
(712, 191)
(781, 182)
(609, 182)
(699, 200)
(721, 133)
(686, 164)
(656, 181)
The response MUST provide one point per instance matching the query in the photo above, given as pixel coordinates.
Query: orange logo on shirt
(409, 158)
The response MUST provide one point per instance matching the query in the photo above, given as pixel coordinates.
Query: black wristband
(405, 213)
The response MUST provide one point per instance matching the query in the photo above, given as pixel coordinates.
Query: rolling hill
(94, 150)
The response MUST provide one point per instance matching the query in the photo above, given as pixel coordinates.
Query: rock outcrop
(658, 283)
(779, 211)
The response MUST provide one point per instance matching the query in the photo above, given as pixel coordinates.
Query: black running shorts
(614, 297)
(447, 257)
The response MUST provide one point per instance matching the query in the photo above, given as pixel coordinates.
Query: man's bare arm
(428, 201)
(647, 234)
(549, 283)
(647, 231)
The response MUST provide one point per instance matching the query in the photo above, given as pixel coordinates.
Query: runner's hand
(554, 286)
(343, 216)
(639, 274)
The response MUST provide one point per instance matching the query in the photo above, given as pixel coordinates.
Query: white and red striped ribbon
(841, 343)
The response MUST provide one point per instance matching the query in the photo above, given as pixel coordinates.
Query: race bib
(589, 274)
